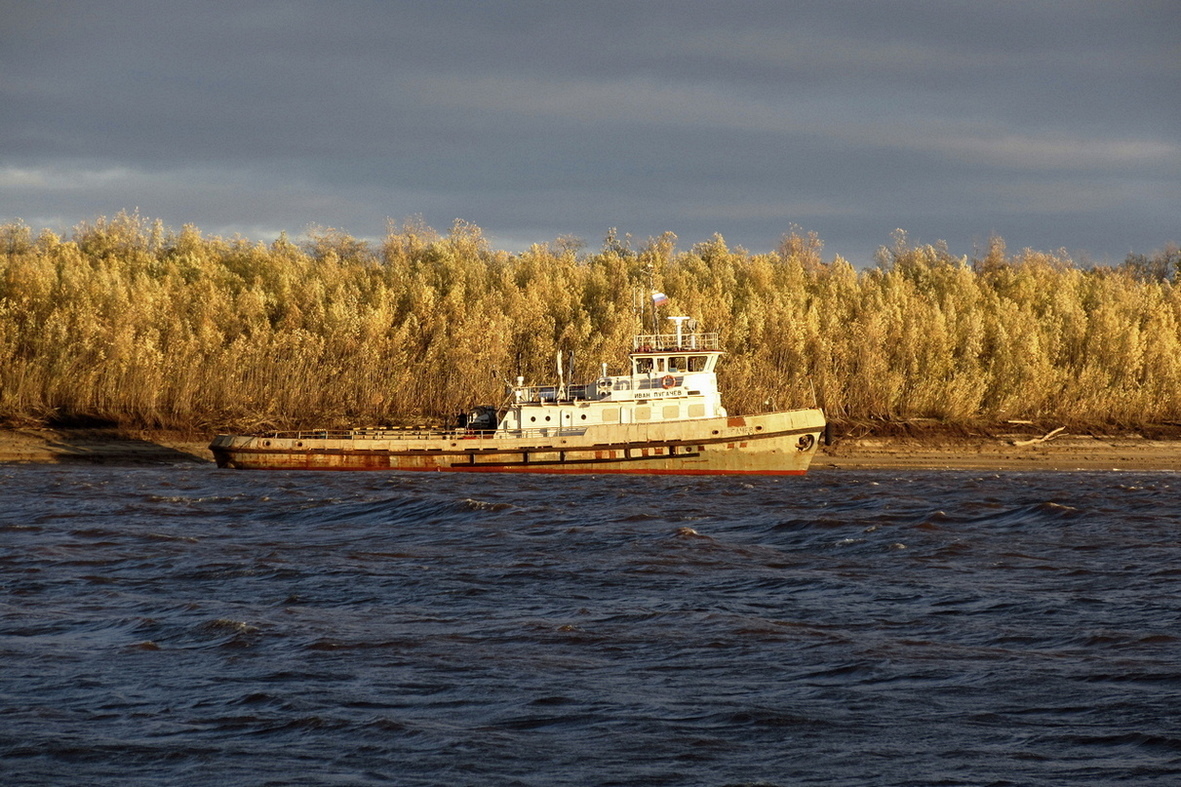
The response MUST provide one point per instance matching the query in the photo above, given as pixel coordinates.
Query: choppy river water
(187, 625)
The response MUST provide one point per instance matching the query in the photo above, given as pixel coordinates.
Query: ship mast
(680, 321)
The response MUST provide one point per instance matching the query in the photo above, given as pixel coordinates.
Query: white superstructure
(671, 377)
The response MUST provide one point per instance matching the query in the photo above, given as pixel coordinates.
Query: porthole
(584, 416)
(547, 418)
(533, 418)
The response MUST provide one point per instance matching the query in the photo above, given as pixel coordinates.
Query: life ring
(668, 381)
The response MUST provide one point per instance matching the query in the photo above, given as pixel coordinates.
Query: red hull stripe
(553, 470)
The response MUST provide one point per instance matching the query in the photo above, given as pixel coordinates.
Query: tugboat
(664, 416)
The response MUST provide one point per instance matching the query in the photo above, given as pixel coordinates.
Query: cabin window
(678, 363)
(611, 415)
(696, 411)
(643, 413)
(697, 363)
(643, 365)
(671, 412)
(660, 365)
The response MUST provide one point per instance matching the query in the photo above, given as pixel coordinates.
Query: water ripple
(191, 626)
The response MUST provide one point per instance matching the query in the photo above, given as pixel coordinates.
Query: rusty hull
(767, 444)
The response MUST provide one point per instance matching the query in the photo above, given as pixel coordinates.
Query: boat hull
(767, 444)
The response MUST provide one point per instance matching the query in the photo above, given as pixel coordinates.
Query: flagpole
(652, 295)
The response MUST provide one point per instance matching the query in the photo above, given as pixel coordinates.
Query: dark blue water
(193, 626)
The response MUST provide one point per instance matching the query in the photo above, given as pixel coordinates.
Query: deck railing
(380, 433)
(664, 342)
(586, 392)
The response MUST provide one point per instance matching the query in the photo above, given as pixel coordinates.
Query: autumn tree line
(131, 323)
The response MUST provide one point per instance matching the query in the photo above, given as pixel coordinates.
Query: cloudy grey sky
(1054, 124)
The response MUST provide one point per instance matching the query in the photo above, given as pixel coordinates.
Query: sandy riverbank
(855, 447)
(997, 449)
(101, 446)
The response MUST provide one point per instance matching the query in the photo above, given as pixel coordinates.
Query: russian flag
(658, 298)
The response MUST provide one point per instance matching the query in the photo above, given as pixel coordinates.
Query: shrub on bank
(128, 322)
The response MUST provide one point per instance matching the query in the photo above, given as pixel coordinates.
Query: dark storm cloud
(1053, 124)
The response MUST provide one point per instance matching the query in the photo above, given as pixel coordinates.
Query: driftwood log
(1044, 438)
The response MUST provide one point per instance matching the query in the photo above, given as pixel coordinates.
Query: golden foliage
(129, 322)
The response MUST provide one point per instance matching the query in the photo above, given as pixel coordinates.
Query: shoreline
(1065, 453)
(906, 446)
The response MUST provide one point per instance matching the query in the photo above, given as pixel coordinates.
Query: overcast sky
(1054, 124)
